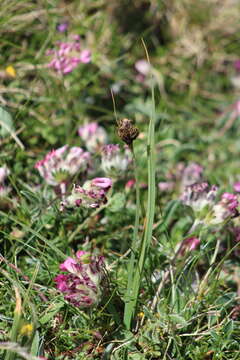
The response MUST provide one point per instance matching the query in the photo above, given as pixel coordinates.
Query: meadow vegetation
(119, 180)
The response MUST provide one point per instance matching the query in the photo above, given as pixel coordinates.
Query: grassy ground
(159, 298)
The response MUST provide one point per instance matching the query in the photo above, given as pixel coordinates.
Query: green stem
(204, 281)
(81, 226)
(129, 294)
(97, 211)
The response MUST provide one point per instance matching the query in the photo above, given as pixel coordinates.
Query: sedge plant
(135, 269)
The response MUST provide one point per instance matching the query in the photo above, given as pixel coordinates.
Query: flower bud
(189, 244)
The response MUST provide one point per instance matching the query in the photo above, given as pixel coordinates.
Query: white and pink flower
(225, 209)
(114, 162)
(93, 136)
(199, 196)
(143, 67)
(61, 164)
(202, 199)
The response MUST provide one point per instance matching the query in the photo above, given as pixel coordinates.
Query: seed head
(127, 131)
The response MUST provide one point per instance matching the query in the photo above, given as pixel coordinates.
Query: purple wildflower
(68, 55)
(91, 195)
(191, 174)
(81, 285)
(93, 135)
(85, 56)
(62, 27)
(225, 209)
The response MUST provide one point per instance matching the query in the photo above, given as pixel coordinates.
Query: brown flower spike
(127, 131)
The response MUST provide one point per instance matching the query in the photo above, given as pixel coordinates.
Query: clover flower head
(192, 174)
(199, 196)
(93, 135)
(142, 66)
(68, 55)
(166, 186)
(225, 209)
(85, 56)
(114, 162)
(91, 195)
(81, 282)
(60, 164)
(189, 244)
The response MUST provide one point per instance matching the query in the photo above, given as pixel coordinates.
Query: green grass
(157, 302)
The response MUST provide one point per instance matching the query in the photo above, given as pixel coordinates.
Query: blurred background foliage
(193, 46)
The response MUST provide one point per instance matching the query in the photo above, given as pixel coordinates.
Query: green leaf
(117, 202)
(137, 356)
(228, 328)
(6, 123)
(35, 344)
(178, 320)
(52, 310)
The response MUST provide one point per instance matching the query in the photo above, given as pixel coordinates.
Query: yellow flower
(10, 71)
(26, 330)
(140, 315)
